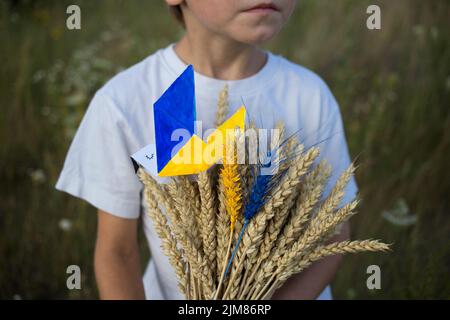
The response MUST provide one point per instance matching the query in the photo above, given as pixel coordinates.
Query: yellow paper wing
(196, 156)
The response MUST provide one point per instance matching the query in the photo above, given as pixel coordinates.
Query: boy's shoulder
(130, 89)
(125, 83)
(307, 90)
(302, 78)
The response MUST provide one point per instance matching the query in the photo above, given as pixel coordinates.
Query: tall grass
(393, 86)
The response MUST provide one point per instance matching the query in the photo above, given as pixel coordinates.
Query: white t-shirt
(119, 122)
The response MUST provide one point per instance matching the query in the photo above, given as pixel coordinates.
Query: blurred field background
(393, 86)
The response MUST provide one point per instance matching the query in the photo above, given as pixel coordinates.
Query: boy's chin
(256, 37)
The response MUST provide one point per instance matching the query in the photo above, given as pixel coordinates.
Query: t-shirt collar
(207, 86)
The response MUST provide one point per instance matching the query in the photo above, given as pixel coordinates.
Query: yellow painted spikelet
(231, 180)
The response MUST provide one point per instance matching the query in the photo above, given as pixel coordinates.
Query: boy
(221, 42)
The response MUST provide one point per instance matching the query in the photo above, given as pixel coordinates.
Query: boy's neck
(216, 57)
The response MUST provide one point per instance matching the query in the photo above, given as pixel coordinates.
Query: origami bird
(176, 110)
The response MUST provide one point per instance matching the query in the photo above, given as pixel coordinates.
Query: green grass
(393, 86)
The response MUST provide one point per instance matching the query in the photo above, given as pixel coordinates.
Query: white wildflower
(65, 224)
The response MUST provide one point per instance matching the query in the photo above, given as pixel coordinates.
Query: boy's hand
(117, 260)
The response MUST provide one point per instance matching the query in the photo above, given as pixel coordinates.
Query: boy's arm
(117, 260)
(308, 284)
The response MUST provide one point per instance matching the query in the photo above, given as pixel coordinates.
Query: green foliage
(393, 86)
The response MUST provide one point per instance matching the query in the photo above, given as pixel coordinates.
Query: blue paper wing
(175, 109)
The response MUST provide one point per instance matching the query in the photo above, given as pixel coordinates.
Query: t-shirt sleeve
(97, 167)
(330, 137)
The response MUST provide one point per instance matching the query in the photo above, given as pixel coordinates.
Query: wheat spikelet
(314, 235)
(163, 198)
(337, 193)
(183, 195)
(222, 229)
(222, 107)
(248, 244)
(200, 268)
(194, 195)
(243, 173)
(229, 175)
(208, 218)
(277, 140)
(309, 196)
(339, 248)
(303, 261)
(169, 243)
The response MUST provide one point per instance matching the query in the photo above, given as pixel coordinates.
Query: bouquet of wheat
(233, 233)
